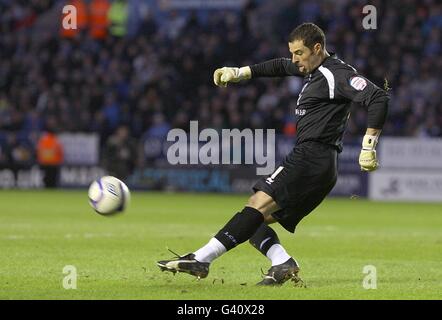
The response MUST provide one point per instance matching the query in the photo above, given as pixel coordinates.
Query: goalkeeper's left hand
(367, 157)
(222, 76)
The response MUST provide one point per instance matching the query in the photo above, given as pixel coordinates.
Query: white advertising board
(80, 148)
(405, 185)
(410, 153)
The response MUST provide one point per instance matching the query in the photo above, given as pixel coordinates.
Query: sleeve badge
(358, 83)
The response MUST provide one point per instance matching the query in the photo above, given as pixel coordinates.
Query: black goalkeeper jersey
(323, 105)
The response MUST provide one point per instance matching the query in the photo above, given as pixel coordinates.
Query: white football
(108, 195)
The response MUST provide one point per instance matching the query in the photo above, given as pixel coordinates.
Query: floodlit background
(101, 99)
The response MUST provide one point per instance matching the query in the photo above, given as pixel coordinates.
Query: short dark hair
(309, 33)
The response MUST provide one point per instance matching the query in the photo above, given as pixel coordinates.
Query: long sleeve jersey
(323, 105)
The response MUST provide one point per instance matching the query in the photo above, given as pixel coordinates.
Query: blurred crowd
(135, 69)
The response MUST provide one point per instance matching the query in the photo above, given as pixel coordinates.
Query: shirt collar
(332, 55)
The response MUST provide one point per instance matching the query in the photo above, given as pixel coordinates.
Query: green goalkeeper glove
(367, 157)
(223, 76)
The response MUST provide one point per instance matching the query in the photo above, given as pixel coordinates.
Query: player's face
(305, 59)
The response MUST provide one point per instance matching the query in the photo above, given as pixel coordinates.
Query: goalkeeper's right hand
(223, 76)
(367, 158)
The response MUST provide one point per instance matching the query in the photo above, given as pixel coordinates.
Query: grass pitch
(42, 232)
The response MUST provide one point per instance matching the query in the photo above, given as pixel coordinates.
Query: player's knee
(255, 203)
(263, 203)
(268, 219)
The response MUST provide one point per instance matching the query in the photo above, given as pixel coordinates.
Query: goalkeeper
(309, 171)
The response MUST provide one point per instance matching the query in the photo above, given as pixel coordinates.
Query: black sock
(264, 238)
(240, 228)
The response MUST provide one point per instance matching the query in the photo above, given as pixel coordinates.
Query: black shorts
(305, 177)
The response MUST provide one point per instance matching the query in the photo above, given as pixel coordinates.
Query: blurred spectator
(119, 153)
(50, 156)
(117, 16)
(159, 127)
(99, 22)
(138, 11)
(111, 111)
(19, 152)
